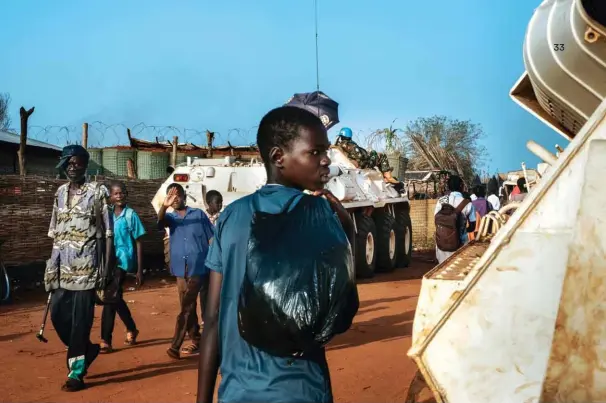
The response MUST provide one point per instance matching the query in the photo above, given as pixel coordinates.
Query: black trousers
(108, 317)
(190, 289)
(72, 314)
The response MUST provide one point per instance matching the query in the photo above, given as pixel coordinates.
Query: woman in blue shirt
(128, 231)
(294, 144)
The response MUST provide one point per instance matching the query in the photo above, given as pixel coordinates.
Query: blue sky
(222, 65)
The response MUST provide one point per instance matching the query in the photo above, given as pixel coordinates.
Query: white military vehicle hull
(381, 215)
(520, 318)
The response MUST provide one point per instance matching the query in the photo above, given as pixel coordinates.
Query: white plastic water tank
(342, 187)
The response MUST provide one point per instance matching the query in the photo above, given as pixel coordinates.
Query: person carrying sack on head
(452, 214)
(80, 223)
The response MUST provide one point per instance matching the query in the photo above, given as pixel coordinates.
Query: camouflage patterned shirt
(74, 262)
(363, 158)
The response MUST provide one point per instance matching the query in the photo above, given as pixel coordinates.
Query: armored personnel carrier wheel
(403, 235)
(386, 240)
(366, 256)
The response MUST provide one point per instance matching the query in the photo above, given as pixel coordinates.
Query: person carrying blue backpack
(128, 231)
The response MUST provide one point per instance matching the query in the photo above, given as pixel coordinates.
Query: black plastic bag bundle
(299, 289)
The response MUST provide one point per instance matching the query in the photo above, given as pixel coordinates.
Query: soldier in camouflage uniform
(362, 158)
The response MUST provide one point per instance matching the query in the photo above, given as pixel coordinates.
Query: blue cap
(346, 132)
(73, 150)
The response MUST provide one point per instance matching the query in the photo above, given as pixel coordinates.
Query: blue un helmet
(346, 132)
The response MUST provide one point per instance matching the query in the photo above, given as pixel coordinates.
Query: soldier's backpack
(448, 222)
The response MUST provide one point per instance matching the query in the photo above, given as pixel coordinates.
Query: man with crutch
(80, 223)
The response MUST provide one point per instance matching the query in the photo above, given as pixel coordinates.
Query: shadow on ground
(144, 371)
(26, 301)
(422, 262)
(378, 329)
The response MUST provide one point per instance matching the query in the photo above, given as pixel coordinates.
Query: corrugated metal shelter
(41, 158)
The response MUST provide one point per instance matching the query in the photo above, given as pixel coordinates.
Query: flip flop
(105, 348)
(174, 354)
(190, 350)
(131, 338)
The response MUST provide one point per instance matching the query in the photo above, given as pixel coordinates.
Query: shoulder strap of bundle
(290, 202)
(462, 205)
(300, 200)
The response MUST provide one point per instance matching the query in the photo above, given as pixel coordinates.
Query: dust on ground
(368, 363)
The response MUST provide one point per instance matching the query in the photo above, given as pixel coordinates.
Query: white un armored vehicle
(520, 317)
(381, 215)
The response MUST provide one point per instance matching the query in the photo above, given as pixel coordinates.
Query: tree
(5, 119)
(387, 140)
(439, 142)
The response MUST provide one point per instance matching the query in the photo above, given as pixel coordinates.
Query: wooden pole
(131, 171)
(85, 135)
(210, 136)
(174, 155)
(24, 115)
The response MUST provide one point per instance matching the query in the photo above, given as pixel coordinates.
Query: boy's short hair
(213, 195)
(493, 186)
(117, 184)
(455, 183)
(480, 191)
(281, 125)
(521, 182)
(178, 187)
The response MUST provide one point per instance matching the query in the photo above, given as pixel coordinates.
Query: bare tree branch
(5, 118)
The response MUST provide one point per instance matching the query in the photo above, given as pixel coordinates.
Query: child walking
(214, 200)
(128, 231)
(190, 234)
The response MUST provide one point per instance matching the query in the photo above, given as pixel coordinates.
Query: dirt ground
(368, 363)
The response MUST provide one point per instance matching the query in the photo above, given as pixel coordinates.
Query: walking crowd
(97, 243)
(227, 261)
(458, 213)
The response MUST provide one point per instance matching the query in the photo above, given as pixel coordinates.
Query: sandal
(73, 385)
(131, 338)
(105, 348)
(174, 354)
(190, 350)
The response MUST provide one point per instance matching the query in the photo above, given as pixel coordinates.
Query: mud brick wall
(25, 210)
(423, 225)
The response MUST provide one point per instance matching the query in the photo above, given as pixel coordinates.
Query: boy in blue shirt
(190, 234)
(128, 231)
(293, 144)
